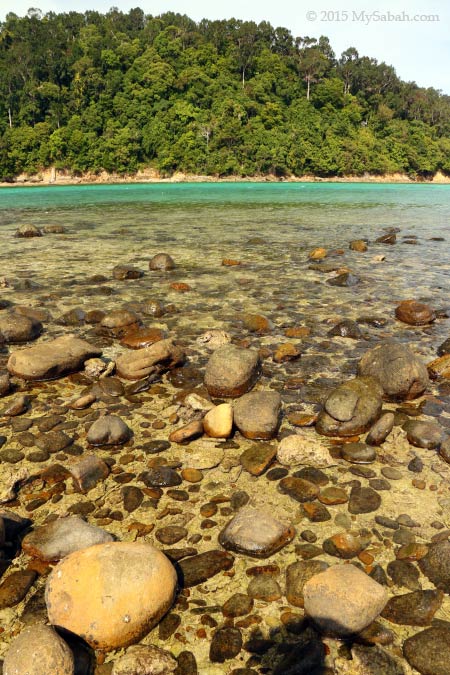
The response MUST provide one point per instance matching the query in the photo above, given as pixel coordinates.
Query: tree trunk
(10, 117)
(308, 88)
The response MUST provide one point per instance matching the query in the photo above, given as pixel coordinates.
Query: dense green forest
(123, 91)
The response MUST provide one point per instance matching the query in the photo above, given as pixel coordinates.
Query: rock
(444, 348)
(225, 644)
(299, 489)
(257, 458)
(161, 262)
(316, 512)
(122, 272)
(363, 500)
(231, 371)
(132, 498)
(88, 471)
(343, 600)
(318, 254)
(414, 313)
(286, 352)
(120, 321)
(358, 245)
(255, 323)
(52, 359)
(302, 448)
(389, 238)
(358, 453)
(27, 231)
(256, 414)
(54, 229)
(187, 432)
(5, 384)
(15, 328)
(297, 574)
(161, 476)
(436, 565)
(238, 604)
(381, 429)
(109, 430)
(440, 368)
(199, 568)
(15, 587)
(218, 422)
(346, 329)
(404, 573)
(333, 495)
(399, 371)
(36, 650)
(255, 533)
(429, 651)
(61, 537)
(427, 435)
(18, 406)
(343, 545)
(111, 594)
(444, 450)
(413, 609)
(371, 660)
(142, 337)
(346, 279)
(351, 408)
(214, 339)
(145, 660)
(140, 363)
(264, 587)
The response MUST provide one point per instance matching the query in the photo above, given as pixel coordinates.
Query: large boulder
(257, 414)
(351, 408)
(400, 372)
(231, 371)
(52, 359)
(111, 594)
(37, 650)
(343, 600)
(140, 363)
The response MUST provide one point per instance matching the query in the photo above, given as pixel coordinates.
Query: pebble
(218, 422)
(111, 594)
(61, 537)
(255, 533)
(162, 476)
(414, 313)
(343, 545)
(27, 231)
(36, 650)
(316, 512)
(15, 586)
(413, 609)
(187, 432)
(199, 568)
(132, 498)
(137, 364)
(363, 500)
(343, 600)
(435, 565)
(161, 262)
(239, 604)
(265, 588)
(231, 371)
(145, 660)
(429, 651)
(171, 534)
(358, 453)
(256, 414)
(381, 429)
(333, 495)
(257, 458)
(298, 488)
(226, 644)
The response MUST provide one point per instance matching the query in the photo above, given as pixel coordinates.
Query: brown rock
(258, 458)
(297, 332)
(297, 574)
(343, 545)
(141, 338)
(122, 272)
(199, 568)
(318, 254)
(256, 414)
(145, 660)
(88, 472)
(299, 489)
(358, 245)
(414, 313)
(62, 537)
(286, 352)
(15, 327)
(187, 432)
(15, 587)
(27, 231)
(120, 321)
(231, 371)
(256, 323)
(229, 262)
(440, 367)
(351, 408)
(255, 533)
(111, 594)
(141, 363)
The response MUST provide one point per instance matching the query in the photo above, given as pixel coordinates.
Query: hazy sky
(418, 49)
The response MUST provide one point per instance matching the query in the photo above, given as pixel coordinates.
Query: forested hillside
(123, 91)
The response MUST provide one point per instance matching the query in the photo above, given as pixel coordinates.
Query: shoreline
(52, 177)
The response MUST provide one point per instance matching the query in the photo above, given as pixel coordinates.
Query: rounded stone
(218, 422)
(399, 371)
(381, 429)
(109, 430)
(111, 594)
(426, 435)
(161, 262)
(358, 453)
(256, 414)
(36, 650)
(16, 328)
(429, 651)
(231, 371)
(414, 313)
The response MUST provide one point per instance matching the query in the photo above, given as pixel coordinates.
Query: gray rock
(381, 429)
(145, 660)
(63, 536)
(399, 371)
(427, 435)
(161, 262)
(88, 472)
(255, 533)
(429, 651)
(52, 359)
(351, 408)
(346, 329)
(231, 371)
(257, 414)
(436, 565)
(16, 328)
(137, 364)
(37, 650)
(109, 430)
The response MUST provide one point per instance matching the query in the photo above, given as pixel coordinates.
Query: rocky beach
(225, 443)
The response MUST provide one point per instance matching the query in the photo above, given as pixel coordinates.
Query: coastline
(50, 177)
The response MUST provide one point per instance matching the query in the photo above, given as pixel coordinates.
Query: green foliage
(123, 91)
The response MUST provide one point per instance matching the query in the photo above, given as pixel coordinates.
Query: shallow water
(269, 229)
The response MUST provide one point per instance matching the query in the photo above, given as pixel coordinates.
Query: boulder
(111, 594)
(52, 359)
(351, 408)
(343, 600)
(37, 650)
(62, 537)
(257, 414)
(231, 371)
(400, 372)
(140, 363)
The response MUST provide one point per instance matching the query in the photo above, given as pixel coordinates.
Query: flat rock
(343, 600)
(435, 565)
(199, 568)
(344, 545)
(257, 414)
(142, 337)
(399, 371)
(428, 435)
(119, 321)
(15, 328)
(404, 574)
(358, 453)
(258, 458)
(111, 594)
(5, 384)
(140, 363)
(304, 448)
(363, 500)
(299, 489)
(225, 644)
(414, 313)
(88, 471)
(351, 408)
(145, 660)
(346, 329)
(429, 651)
(109, 430)
(413, 609)
(231, 371)
(36, 650)
(52, 359)
(62, 537)
(15, 586)
(255, 533)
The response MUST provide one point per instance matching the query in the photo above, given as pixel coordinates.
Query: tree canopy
(124, 91)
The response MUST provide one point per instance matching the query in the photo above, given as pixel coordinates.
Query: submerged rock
(256, 414)
(351, 408)
(140, 363)
(399, 371)
(304, 448)
(414, 313)
(109, 430)
(429, 651)
(52, 359)
(231, 371)
(16, 328)
(28, 231)
(255, 533)
(161, 262)
(145, 660)
(37, 650)
(62, 537)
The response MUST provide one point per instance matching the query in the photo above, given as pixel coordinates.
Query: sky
(413, 36)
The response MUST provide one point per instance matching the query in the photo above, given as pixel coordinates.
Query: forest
(119, 92)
